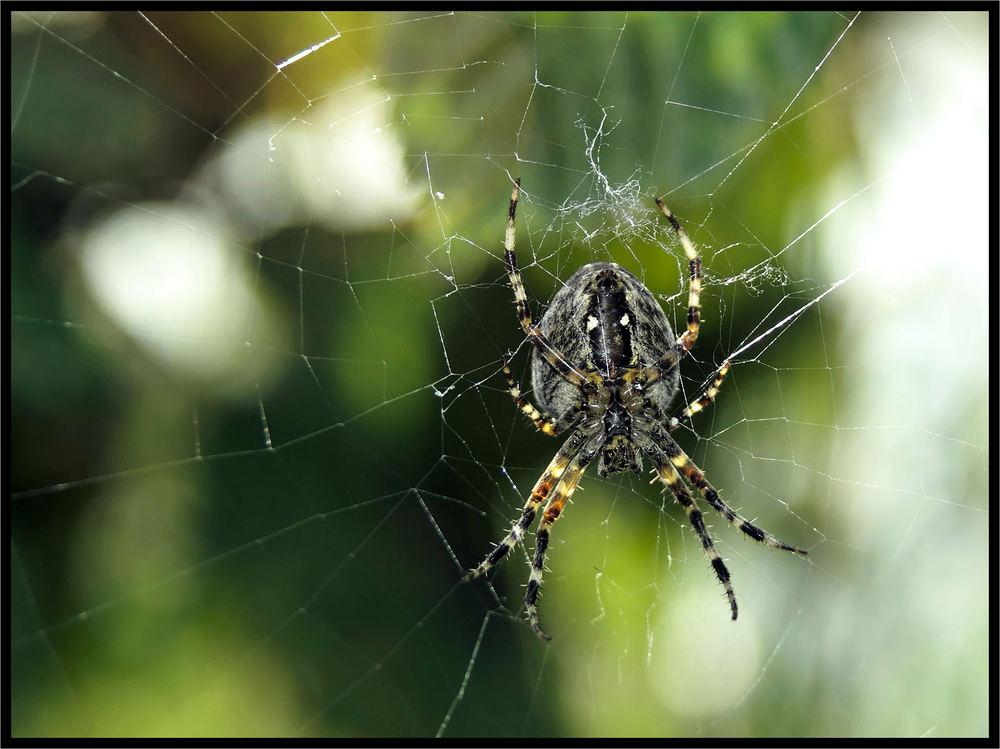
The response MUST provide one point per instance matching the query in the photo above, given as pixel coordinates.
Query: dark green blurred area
(280, 554)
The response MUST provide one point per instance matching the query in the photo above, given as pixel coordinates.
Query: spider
(605, 364)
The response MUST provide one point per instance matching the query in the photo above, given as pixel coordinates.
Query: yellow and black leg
(553, 509)
(699, 403)
(543, 487)
(542, 421)
(697, 479)
(666, 472)
(535, 335)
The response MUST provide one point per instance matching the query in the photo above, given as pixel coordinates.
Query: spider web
(259, 427)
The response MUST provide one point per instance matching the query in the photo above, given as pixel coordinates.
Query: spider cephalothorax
(605, 366)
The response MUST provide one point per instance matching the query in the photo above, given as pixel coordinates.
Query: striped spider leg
(699, 403)
(543, 422)
(667, 473)
(678, 464)
(546, 482)
(696, 478)
(686, 340)
(564, 471)
(553, 508)
(552, 355)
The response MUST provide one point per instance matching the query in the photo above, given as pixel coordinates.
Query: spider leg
(544, 422)
(697, 479)
(553, 508)
(698, 404)
(534, 333)
(686, 340)
(688, 337)
(549, 478)
(666, 472)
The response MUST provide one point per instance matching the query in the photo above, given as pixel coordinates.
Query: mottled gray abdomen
(607, 297)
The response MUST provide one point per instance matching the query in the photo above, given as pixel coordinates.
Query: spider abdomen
(602, 320)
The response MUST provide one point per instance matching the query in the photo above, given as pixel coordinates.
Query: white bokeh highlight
(169, 276)
(339, 164)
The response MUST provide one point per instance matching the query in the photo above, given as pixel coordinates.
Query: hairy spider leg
(666, 472)
(553, 508)
(535, 335)
(697, 479)
(699, 403)
(542, 421)
(543, 487)
(686, 340)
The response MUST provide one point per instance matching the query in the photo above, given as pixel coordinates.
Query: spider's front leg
(549, 478)
(553, 508)
(680, 460)
(666, 472)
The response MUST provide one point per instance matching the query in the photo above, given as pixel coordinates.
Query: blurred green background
(259, 428)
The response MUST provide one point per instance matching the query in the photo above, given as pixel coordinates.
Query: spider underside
(605, 368)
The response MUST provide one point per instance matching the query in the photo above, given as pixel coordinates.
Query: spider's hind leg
(688, 337)
(538, 339)
(672, 357)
